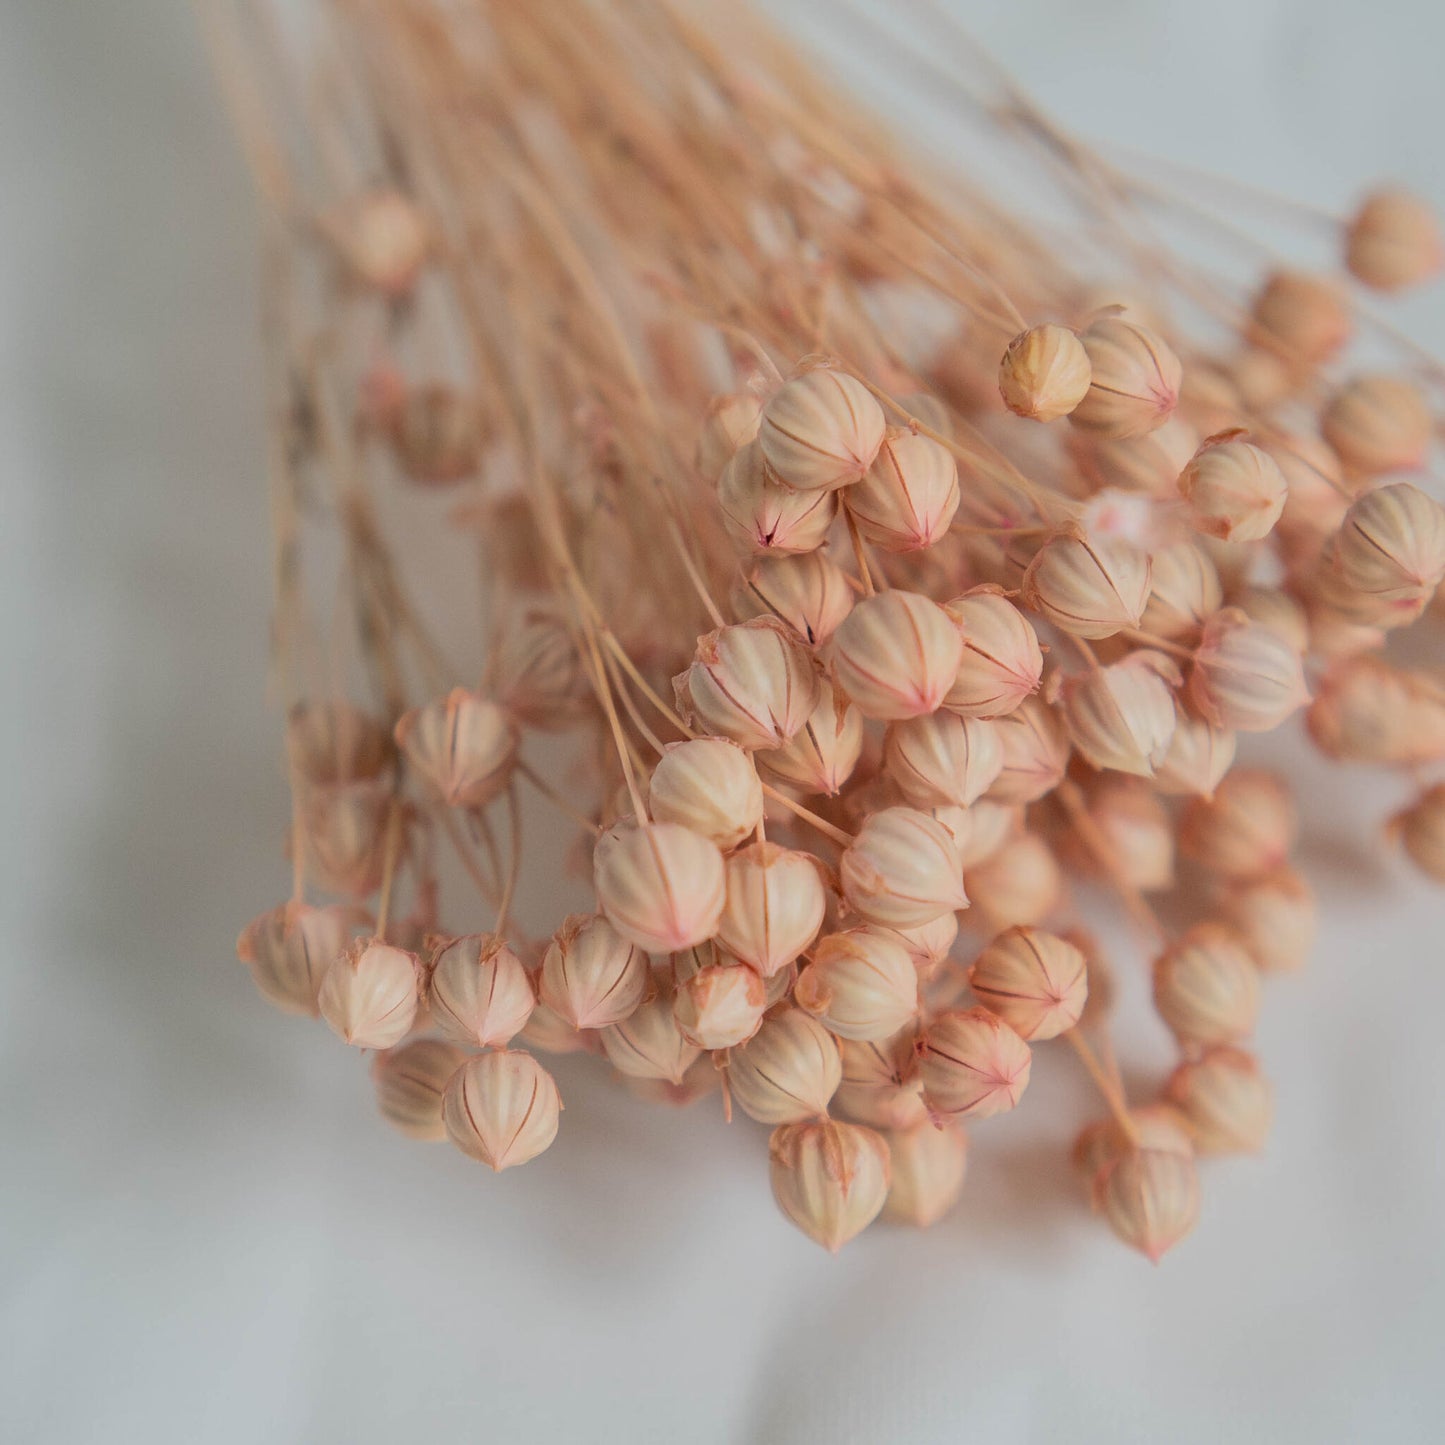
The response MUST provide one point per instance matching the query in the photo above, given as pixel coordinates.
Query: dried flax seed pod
(880, 1082)
(1184, 591)
(438, 435)
(501, 1108)
(410, 1081)
(909, 495)
(334, 742)
(753, 682)
(1391, 549)
(1045, 373)
(1378, 424)
(1206, 986)
(370, 994)
(1420, 829)
(345, 829)
(1137, 831)
(1159, 1127)
(591, 975)
(288, 951)
(479, 992)
(971, 1065)
(1134, 381)
(1275, 917)
(1199, 755)
(540, 681)
(928, 944)
(709, 785)
(982, 830)
(1316, 495)
(1021, 883)
(1036, 982)
(788, 1071)
(903, 869)
(721, 1006)
(896, 655)
(649, 1044)
(383, 241)
(1368, 711)
(1234, 490)
(731, 423)
(1150, 1199)
(1245, 678)
(1122, 716)
(1274, 608)
(775, 906)
(1245, 830)
(830, 1179)
(1088, 586)
(1393, 241)
(462, 745)
(661, 886)
(808, 592)
(1035, 753)
(822, 754)
(1002, 663)
(767, 516)
(943, 760)
(1225, 1098)
(821, 430)
(1304, 316)
(860, 985)
(929, 1165)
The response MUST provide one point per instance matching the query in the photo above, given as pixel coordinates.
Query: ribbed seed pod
(1002, 663)
(1245, 678)
(753, 682)
(410, 1081)
(1184, 591)
(1045, 373)
(1020, 884)
(591, 975)
(903, 869)
(1245, 830)
(649, 1043)
(661, 885)
(1088, 586)
(1305, 317)
(463, 745)
(807, 592)
(909, 496)
(880, 1081)
(788, 1071)
(720, 1007)
(971, 1065)
(821, 756)
(478, 991)
(943, 760)
(929, 1164)
(830, 1179)
(1393, 241)
(1378, 424)
(775, 906)
(766, 516)
(861, 984)
(709, 785)
(1206, 986)
(1036, 982)
(1235, 490)
(1134, 382)
(821, 430)
(1391, 549)
(730, 424)
(896, 655)
(1276, 917)
(1035, 746)
(1199, 755)
(501, 1108)
(369, 996)
(288, 951)
(1225, 1098)
(1122, 716)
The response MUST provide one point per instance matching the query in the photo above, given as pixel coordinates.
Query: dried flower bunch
(872, 578)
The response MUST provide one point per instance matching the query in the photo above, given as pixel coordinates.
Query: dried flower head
(369, 995)
(1199, 755)
(1378, 424)
(753, 682)
(1035, 745)
(1036, 982)
(649, 1043)
(1045, 373)
(463, 745)
(502, 1108)
(1150, 1198)
(1184, 591)
(1089, 586)
(1234, 489)
(943, 759)
(410, 1081)
(1135, 826)
(709, 785)
(288, 950)
(334, 742)
(1206, 986)
(1391, 549)
(861, 984)
(909, 495)
(1225, 1098)
(767, 516)
(822, 754)
(1393, 241)
(1122, 716)
(971, 1065)
(345, 834)
(540, 680)
(896, 655)
(929, 1164)
(1245, 678)
(591, 975)
(1304, 317)
(721, 1006)
(807, 592)
(1245, 830)
(830, 1179)
(1002, 663)
(821, 430)
(880, 1083)
(903, 869)
(1134, 382)
(661, 885)
(479, 992)
(788, 1071)
(775, 906)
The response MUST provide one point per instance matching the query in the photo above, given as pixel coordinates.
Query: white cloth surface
(205, 1233)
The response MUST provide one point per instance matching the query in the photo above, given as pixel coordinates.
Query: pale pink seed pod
(909, 496)
(903, 869)
(334, 742)
(370, 994)
(383, 241)
(1137, 831)
(1122, 716)
(808, 592)
(1002, 662)
(479, 992)
(1035, 753)
(928, 944)
(1234, 490)
(345, 835)
(972, 1065)
(821, 430)
(1391, 549)
(1088, 586)
(502, 1108)
(1134, 382)
(1035, 981)
(982, 830)
(1421, 831)
(288, 950)
(753, 682)
(1264, 378)
(896, 655)
(438, 436)
(929, 1164)
(661, 885)
(1393, 241)
(1157, 1127)
(830, 1179)
(1245, 678)
(550, 1032)
(1378, 424)
(788, 1071)
(540, 680)
(1020, 884)
(1150, 1198)
(880, 1081)
(861, 984)
(1305, 317)
(1274, 608)
(1275, 917)
(709, 785)
(1369, 711)
(775, 906)
(1225, 1098)
(1184, 591)
(720, 1007)
(1316, 496)
(821, 755)
(1045, 373)
(731, 423)
(1206, 986)
(1199, 755)
(410, 1081)
(943, 760)
(591, 975)
(462, 745)
(1147, 465)
(649, 1044)
(765, 515)
(1245, 830)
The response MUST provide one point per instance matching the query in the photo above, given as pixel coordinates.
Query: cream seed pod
(880, 1082)
(1002, 663)
(765, 515)
(1391, 549)
(775, 906)
(821, 430)
(1206, 986)
(370, 994)
(822, 754)
(591, 975)
(1184, 591)
(1045, 373)
(1245, 830)
(720, 1007)
(1378, 424)
(1368, 711)
(943, 759)
(896, 655)
(1393, 241)
(909, 496)
(410, 1081)
(1275, 917)
(1035, 746)
(1420, 829)
(383, 240)
(479, 992)
(808, 592)
(1234, 490)
(1304, 317)
(1036, 982)
(502, 1109)
(982, 830)
(462, 745)
(1137, 830)
(1199, 755)
(830, 1179)
(1316, 496)
(1150, 1199)
(1088, 586)
(1122, 716)
(1245, 678)
(345, 827)
(753, 682)
(903, 869)
(971, 1065)
(709, 785)
(649, 1043)
(860, 985)
(333, 742)
(661, 886)
(731, 423)
(438, 436)
(1020, 884)
(1274, 608)
(788, 1071)
(1161, 1128)
(928, 944)
(288, 951)
(1225, 1098)
(540, 680)
(929, 1164)
(1134, 381)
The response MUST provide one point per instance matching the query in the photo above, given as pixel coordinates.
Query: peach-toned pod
(830, 1179)
(896, 655)
(649, 1043)
(943, 759)
(1122, 716)
(1369, 711)
(539, 674)
(903, 869)
(821, 756)
(1225, 1098)
(1134, 381)
(369, 996)
(549, 1031)
(1234, 490)
(720, 1007)
(382, 239)
(928, 944)
(929, 1164)
(1137, 832)
(753, 682)
(1036, 749)
(332, 741)
(1391, 549)
(1393, 241)
(788, 1071)
(909, 495)
(1002, 663)
(709, 785)
(880, 1081)
(1378, 424)
(1245, 830)
(1158, 1127)
(1206, 986)
(345, 826)
(1301, 319)
(463, 745)
(1184, 591)
(478, 991)
(1150, 1198)
(1420, 829)
(982, 830)
(438, 436)
(1316, 495)
(1020, 884)
(661, 885)
(1146, 465)
(1275, 916)
(410, 1081)
(1045, 373)
(288, 950)
(731, 423)
(861, 984)
(1199, 755)
(821, 430)
(591, 975)
(1245, 678)
(1035, 981)
(766, 516)
(808, 592)
(775, 906)
(1088, 586)
(1273, 607)
(971, 1065)
(502, 1108)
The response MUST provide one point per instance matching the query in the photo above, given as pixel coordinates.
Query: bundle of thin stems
(868, 569)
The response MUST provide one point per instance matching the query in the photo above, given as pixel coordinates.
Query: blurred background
(207, 1235)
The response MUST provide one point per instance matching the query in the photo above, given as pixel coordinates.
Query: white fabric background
(206, 1235)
